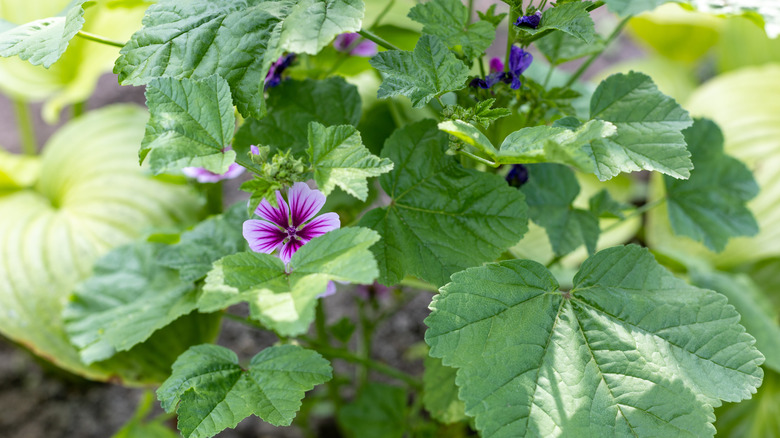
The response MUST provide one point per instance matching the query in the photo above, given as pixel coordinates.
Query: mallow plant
(380, 147)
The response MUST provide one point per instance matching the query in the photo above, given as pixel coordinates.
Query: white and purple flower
(346, 42)
(289, 226)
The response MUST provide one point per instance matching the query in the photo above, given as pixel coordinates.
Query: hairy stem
(99, 39)
(26, 128)
(375, 38)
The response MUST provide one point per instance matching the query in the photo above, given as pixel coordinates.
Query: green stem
(471, 11)
(510, 37)
(382, 14)
(638, 212)
(26, 127)
(478, 158)
(375, 38)
(100, 39)
(320, 323)
(366, 334)
(418, 284)
(549, 75)
(589, 61)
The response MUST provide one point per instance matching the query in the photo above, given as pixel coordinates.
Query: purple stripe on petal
(304, 203)
(288, 249)
(263, 236)
(319, 226)
(279, 215)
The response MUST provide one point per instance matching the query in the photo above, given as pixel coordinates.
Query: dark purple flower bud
(478, 83)
(517, 176)
(274, 76)
(531, 21)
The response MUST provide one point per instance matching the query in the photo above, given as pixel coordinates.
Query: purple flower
(531, 21)
(496, 75)
(289, 227)
(206, 176)
(519, 61)
(254, 150)
(366, 48)
(274, 76)
(517, 176)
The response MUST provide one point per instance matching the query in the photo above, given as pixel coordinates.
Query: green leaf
(625, 8)
(285, 302)
(292, 106)
(449, 20)
(436, 206)
(550, 193)
(209, 241)
(128, 297)
(440, 395)
(469, 135)
(238, 40)
(765, 14)
(191, 124)
(630, 350)
(379, 411)
(603, 205)
(560, 47)
(754, 418)
(260, 188)
(91, 196)
(42, 42)
(18, 171)
(759, 316)
(571, 18)
(710, 206)
(429, 71)
(649, 128)
(339, 159)
(210, 391)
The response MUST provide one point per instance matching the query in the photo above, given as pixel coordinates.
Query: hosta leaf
(208, 242)
(339, 159)
(572, 18)
(292, 106)
(436, 206)
(238, 40)
(128, 297)
(440, 395)
(449, 20)
(42, 42)
(649, 128)
(18, 171)
(629, 351)
(91, 196)
(624, 8)
(191, 124)
(767, 11)
(210, 391)
(710, 206)
(550, 193)
(429, 71)
(379, 411)
(285, 302)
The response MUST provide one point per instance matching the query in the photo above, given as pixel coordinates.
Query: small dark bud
(517, 176)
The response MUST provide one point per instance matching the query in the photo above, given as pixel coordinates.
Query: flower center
(291, 232)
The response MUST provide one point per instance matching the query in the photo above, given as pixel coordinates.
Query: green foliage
(630, 350)
(429, 71)
(449, 20)
(559, 47)
(210, 391)
(379, 411)
(295, 104)
(206, 243)
(138, 428)
(469, 135)
(603, 205)
(710, 206)
(436, 206)
(482, 113)
(550, 192)
(191, 124)
(571, 18)
(238, 40)
(649, 128)
(440, 395)
(42, 42)
(339, 158)
(625, 8)
(284, 300)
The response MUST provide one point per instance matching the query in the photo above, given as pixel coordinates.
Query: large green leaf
(238, 40)
(649, 128)
(436, 206)
(440, 395)
(765, 11)
(379, 411)
(550, 193)
(429, 71)
(18, 171)
(449, 20)
(339, 158)
(91, 196)
(710, 206)
(630, 350)
(560, 47)
(571, 18)
(210, 391)
(43, 41)
(292, 106)
(284, 299)
(191, 124)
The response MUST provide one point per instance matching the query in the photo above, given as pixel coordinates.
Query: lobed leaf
(440, 394)
(449, 20)
(572, 18)
(379, 411)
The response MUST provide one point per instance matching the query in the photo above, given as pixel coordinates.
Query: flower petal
(319, 226)
(305, 203)
(329, 290)
(289, 248)
(279, 215)
(365, 48)
(263, 236)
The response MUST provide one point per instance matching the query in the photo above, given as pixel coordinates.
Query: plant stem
(418, 284)
(478, 158)
(375, 38)
(639, 211)
(320, 323)
(589, 61)
(26, 128)
(471, 11)
(99, 39)
(510, 37)
(382, 14)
